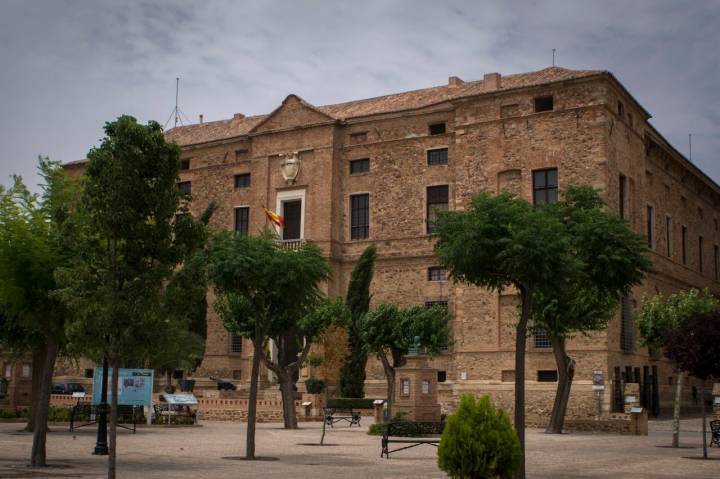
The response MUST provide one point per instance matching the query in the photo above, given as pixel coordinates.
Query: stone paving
(212, 450)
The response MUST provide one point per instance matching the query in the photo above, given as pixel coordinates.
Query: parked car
(67, 388)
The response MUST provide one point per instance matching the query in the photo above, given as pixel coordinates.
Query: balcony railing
(291, 245)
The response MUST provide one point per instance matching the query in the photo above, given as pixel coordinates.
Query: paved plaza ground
(211, 451)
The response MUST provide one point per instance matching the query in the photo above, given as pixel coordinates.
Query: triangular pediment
(293, 112)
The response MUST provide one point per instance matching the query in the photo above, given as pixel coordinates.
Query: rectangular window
(405, 387)
(242, 220)
(235, 344)
(437, 157)
(26, 370)
(242, 180)
(545, 186)
(668, 235)
(715, 261)
(622, 195)
(547, 376)
(359, 166)
(240, 154)
(626, 326)
(185, 187)
(542, 340)
(360, 216)
(8, 370)
(700, 254)
(357, 138)
(621, 109)
(436, 273)
(437, 128)
(544, 103)
(442, 376)
(292, 214)
(437, 200)
(89, 372)
(430, 304)
(650, 227)
(184, 164)
(683, 244)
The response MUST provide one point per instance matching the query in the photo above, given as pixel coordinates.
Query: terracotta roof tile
(219, 130)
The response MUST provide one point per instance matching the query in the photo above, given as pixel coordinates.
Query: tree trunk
(168, 378)
(38, 364)
(676, 409)
(566, 372)
(112, 456)
(520, 340)
(38, 453)
(704, 418)
(287, 391)
(390, 378)
(252, 399)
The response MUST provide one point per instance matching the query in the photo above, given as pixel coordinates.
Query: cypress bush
(478, 442)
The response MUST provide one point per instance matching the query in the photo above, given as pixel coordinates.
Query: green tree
(478, 442)
(612, 260)
(389, 332)
(657, 316)
(31, 250)
(501, 242)
(695, 347)
(258, 284)
(129, 240)
(352, 374)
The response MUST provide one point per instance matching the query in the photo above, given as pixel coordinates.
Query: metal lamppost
(101, 444)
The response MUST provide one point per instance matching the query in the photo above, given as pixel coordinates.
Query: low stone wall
(225, 409)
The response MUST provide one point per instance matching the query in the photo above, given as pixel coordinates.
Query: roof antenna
(177, 113)
(553, 57)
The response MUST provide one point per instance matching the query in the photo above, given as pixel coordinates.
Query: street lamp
(101, 443)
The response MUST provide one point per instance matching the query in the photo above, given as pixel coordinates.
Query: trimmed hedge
(350, 403)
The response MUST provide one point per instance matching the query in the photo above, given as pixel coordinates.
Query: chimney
(238, 116)
(201, 118)
(491, 81)
(454, 82)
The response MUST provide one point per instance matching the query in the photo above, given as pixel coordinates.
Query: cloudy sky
(66, 67)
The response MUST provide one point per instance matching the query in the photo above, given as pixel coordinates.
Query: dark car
(67, 388)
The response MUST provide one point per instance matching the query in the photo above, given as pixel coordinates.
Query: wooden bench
(715, 433)
(126, 413)
(412, 434)
(334, 415)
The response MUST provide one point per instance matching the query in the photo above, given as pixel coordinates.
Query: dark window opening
(359, 216)
(620, 109)
(185, 187)
(235, 344)
(542, 340)
(700, 254)
(716, 252)
(437, 200)
(242, 220)
(184, 164)
(683, 244)
(178, 374)
(442, 376)
(90, 372)
(650, 226)
(623, 195)
(242, 180)
(547, 376)
(437, 157)
(437, 128)
(359, 166)
(436, 273)
(668, 235)
(544, 103)
(545, 186)
(240, 154)
(626, 326)
(292, 214)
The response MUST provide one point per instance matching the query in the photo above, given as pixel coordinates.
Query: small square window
(89, 373)
(544, 103)
(242, 180)
(359, 166)
(442, 376)
(185, 187)
(542, 341)
(437, 157)
(437, 128)
(357, 138)
(184, 164)
(436, 273)
(237, 374)
(240, 154)
(547, 376)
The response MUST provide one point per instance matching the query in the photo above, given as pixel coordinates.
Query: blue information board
(135, 386)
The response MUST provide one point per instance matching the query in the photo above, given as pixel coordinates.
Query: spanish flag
(274, 218)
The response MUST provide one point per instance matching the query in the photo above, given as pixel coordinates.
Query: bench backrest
(415, 429)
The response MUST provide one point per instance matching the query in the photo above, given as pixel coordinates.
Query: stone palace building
(376, 170)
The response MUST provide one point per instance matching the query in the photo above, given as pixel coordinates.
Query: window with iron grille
(622, 195)
(650, 226)
(437, 128)
(544, 103)
(360, 216)
(626, 325)
(715, 260)
(235, 344)
(545, 186)
(436, 273)
(668, 235)
(240, 154)
(430, 304)
(438, 156)
(683, 243)
(242, 180)
(359, 166)
(184, 164)
(437, 200)
(541, 339)
(700, 254)
(242, 220)
(185, 187)
(547, 376)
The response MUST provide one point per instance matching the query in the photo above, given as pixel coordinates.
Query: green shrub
(314, 386)
(59, 414)
(478, 442)
(350, 403)
(8, 414)
(399, 422)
